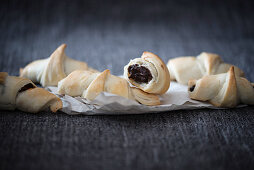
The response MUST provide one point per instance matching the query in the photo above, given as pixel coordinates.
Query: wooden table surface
(107, 34)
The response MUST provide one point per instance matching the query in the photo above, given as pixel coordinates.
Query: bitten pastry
(222, 90)
(22, 93)
(89, 85)
(182, 69)
(148, 73)
(48, 72)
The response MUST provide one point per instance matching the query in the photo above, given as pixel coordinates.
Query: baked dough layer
(22, 93)
(182, 69)
(89, 85)
(148, 73)
(222, 90)
(48, 72)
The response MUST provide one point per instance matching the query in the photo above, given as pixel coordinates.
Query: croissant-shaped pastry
(22, 93)
(222, 90)
(182, 69)
(148, 73)
(89, 85)
(48, 72)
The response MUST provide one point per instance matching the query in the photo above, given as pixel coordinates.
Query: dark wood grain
(107, 35)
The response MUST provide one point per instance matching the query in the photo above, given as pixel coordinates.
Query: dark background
(107, 34)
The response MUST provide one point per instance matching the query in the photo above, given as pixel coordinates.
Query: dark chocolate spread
(192, 88)
(139, 73)
(26, 87)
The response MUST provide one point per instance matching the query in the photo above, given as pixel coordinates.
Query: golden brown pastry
(22, 93)
(182, 69)
(148, 73)
(89, 85)
(222, 90)
(48, 72)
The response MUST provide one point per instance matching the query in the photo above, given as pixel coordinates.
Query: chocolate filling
(26, 87)
(139, 73)
(192, 88)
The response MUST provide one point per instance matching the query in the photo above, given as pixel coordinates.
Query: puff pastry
(89, 85)
(48, 72)
(22, 93)
(182, 69)
(148, 73)
(222, 90)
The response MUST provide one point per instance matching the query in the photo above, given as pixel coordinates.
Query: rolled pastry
(89, 85)
(22, 93)
(148, 73)
(182, 69)
(222, 90)
(48, 72)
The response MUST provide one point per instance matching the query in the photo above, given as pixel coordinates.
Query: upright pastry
(182, 69)
(222, 90)
(148, 73)
(89, 85)
(48, 72)
(22, 93)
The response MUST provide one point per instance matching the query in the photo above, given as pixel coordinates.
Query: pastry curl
(222, 90)
(22, 93)
(89, 85)
(48, 72)
(182, 69)
(148, 73)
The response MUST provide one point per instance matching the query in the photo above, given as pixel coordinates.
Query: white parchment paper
(176, 98)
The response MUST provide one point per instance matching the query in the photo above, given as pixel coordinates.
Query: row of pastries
(145, 79)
